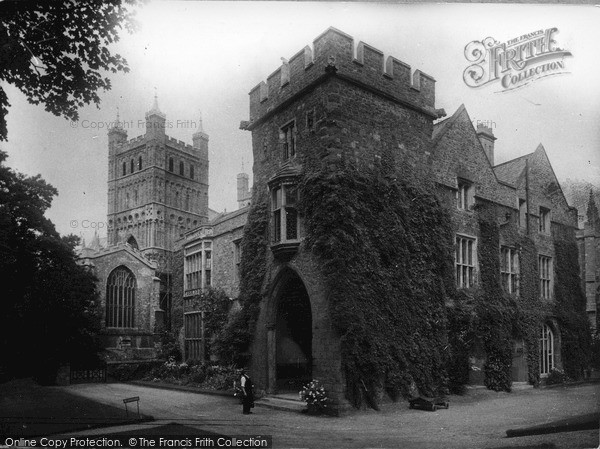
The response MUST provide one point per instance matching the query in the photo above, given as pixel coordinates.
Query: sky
(202, 59)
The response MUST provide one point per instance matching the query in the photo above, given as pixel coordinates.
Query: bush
(556, 377)
(595, 352)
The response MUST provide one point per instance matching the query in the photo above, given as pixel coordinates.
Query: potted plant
(315, 397)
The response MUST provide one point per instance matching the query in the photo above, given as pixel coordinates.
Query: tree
(56, 53)
(50, 309)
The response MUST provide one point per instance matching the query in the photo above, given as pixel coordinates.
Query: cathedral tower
(157, 187)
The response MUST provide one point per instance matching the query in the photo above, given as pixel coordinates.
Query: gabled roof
(440, 128)
(510, 171)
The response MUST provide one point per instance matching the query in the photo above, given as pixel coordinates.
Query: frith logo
(515, 63)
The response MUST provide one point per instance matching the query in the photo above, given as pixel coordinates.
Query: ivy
(385, 247)
(569, 308)
(233, 342)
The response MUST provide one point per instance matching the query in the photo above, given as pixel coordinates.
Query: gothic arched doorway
(291, 339)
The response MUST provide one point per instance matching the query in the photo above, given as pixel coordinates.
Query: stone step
(281, 403)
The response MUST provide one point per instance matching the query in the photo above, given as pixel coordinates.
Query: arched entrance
(290, 342)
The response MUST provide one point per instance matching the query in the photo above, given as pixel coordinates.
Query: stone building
(588, 239)
(338, 100)
(210, 257)
(157, 191)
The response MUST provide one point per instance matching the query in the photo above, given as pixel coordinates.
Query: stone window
(120, 298)
(509, 268)
(465, 262)
(197, 268)
(124, 168)
(140, 163)
(181, 168)
(310, 120)
(131, 166)
(170, 164)
(193, 272)
(193, 336)
(546, 350)
(191, 172)
(522, 213)
(287, 136)
(544, 225)
(284, 199)
(207, 266)
(464, 195)
(545, 269)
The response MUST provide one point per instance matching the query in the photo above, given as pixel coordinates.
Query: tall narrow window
(522, 213)
(170, 164)
(181, 168)
(284, 198)
(465, 262)
(276, 202)
(544, 225)
(288, 138)
(193, 335)
(120, 298)
(546, 350)
(464, 195)
(509, 268)
(124, 168)
(207, 268)
(193, 271)
(131, 166)
(140, 163)
(545, 268)
(191, 172)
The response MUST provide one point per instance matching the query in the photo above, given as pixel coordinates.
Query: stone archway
(290, 335)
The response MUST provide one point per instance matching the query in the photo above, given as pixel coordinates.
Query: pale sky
(206, 56)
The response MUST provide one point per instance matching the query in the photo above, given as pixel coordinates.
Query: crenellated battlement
(180, 145)
(141, 139)
(334, 54)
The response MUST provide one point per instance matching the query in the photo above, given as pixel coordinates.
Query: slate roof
(510, 171)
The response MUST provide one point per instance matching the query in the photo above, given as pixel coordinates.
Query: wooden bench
(135, 399)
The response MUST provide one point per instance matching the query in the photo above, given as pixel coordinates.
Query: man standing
(248, 393)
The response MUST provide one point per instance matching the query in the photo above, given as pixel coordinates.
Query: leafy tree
(49, 302)
(56, 52)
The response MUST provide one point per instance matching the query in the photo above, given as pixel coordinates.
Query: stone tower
(157, 187)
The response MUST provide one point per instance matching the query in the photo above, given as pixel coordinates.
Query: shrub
(556, 377)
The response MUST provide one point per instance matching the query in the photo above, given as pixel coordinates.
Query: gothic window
(546, 350)
(545, 269)
(465, 262)
(285, 215)
(170, 164)
(509, 268)
(124, 168)
(131, 166)
(120, 298)
(140, 163)
(181, 168)
(287, 135)
(544, 225)
(135, 197)
(187, 201)
(464, 195)
(191, 172)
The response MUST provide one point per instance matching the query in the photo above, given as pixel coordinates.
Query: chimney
(243, 192)
(486, 137)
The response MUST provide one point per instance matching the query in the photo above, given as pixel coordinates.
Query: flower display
(314, 395)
